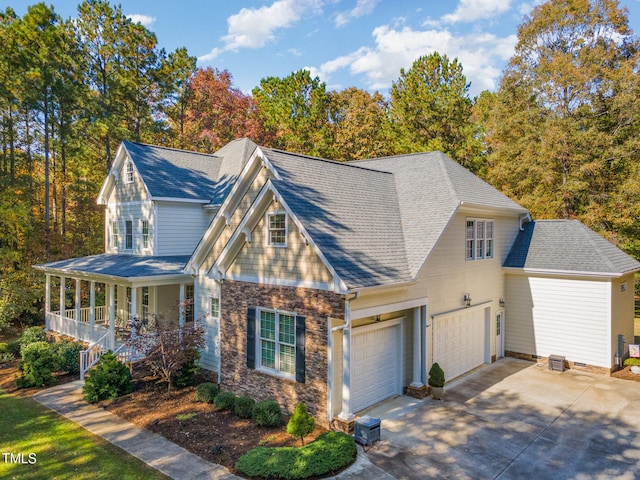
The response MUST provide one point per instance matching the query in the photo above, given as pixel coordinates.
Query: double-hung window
(128, 172)
(277, 229)
(114, 234)
(128, 234)
(145, 234)
(145, 303)
(479, 239)
(277, 342)
(188, 303)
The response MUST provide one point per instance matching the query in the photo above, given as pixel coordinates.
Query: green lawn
(62, 449)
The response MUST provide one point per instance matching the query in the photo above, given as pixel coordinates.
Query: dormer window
(277, 229)
(128, 172)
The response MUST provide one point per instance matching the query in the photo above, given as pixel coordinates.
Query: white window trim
(259, 366)
(211, 299)
(268, 216)
(484, 256)
(128, 172)
(115, 233)
(127, 235)
(144, 241)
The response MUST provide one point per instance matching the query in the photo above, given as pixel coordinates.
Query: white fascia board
(179, 200)
(110, 181)
(562, 273)
(207, 239)
(477, 208)
(99, 277)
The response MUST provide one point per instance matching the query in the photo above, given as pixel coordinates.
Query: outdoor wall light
(501, 302)
(467, 300)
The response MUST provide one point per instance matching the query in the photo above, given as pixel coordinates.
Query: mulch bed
(217, 436)
(625, 374)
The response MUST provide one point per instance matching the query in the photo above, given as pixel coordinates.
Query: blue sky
(361, 43)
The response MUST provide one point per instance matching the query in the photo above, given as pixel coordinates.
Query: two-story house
(339, 284)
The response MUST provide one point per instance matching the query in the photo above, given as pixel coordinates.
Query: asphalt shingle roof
(122, 266)
(172, 173)
(431, 187)
(569, 246)
(350, 212)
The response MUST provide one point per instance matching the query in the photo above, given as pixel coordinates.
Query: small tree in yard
(301, 423)
(169, 348)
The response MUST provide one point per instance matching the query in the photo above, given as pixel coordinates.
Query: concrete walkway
(155, 450)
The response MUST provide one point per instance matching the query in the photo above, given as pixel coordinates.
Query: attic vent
(556, 363)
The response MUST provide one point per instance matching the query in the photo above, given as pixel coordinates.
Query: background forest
(560, 135)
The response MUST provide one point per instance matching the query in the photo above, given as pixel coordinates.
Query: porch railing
(95, 351)
(85, 314)
(77, 329)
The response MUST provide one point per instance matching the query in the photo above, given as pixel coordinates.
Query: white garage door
(375, 364)
(459, 341)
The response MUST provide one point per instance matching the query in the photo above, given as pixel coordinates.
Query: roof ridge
(192, 152)
(414, 154)
(587, 232)
(325, 160)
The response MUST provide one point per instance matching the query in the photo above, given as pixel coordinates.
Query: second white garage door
(459, 341)
(375, 364)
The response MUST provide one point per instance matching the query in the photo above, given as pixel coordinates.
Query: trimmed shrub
(69, 353)
(4, 347)
(185, 376)
(328, 454)
(301, 423)
(206, 392)
(243, 407)
(632, 362)
(39, 361)
(108, 380)
(32, 335)
(267, 413)
(436, 376)
(13, 347)
(225, 401)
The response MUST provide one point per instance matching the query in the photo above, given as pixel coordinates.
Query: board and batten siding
(204, 290)
(180, 227)
(559, 316)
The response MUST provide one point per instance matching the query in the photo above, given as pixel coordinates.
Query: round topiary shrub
(267, 413)
(206, 392)
(243, 407)
(32, 335)
(225, 401)
(69, 353)
(108, 380)
(39, 361)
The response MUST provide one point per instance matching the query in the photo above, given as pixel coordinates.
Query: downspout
(345, 412)
(219, 283)
(527, 217)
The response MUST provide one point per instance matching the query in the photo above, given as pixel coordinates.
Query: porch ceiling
(127, 268)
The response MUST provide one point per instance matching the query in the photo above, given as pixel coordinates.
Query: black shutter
(300, 334)
(251, 338)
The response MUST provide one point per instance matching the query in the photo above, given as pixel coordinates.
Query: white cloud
(472, 10)
(145, 20)
(255, 27)
(362, 8)
(481, 55)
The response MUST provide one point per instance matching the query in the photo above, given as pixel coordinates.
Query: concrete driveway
(514, 420)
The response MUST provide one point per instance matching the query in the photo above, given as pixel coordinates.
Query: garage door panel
(459, 342)
(375, 365)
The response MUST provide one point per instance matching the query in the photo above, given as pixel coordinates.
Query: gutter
(527, 217)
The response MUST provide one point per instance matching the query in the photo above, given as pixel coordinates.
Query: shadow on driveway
(513, 420)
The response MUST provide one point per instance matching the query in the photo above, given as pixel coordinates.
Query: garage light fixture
(467, 300)
(501, 302)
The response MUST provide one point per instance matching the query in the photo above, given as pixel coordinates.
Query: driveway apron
(512, 420)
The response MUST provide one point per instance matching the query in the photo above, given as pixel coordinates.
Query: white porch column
(181, 305)
(112, 316)
(346, 413)
(78, 300)
(133, 314)
(47, 300)
(92, 303)
(63, 282)
(417, 348)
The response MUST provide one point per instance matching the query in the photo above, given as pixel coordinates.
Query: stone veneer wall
(315, 305)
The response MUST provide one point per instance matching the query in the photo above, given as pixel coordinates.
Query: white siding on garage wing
(559, 316)
(204, 290)
(179, 227)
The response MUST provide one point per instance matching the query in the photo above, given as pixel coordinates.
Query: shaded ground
(217, 436)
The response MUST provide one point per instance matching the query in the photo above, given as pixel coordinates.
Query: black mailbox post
(367, 430)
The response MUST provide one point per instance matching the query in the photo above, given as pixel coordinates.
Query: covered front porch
(104, 299)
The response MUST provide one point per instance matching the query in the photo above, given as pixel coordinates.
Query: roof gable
(567, 246)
